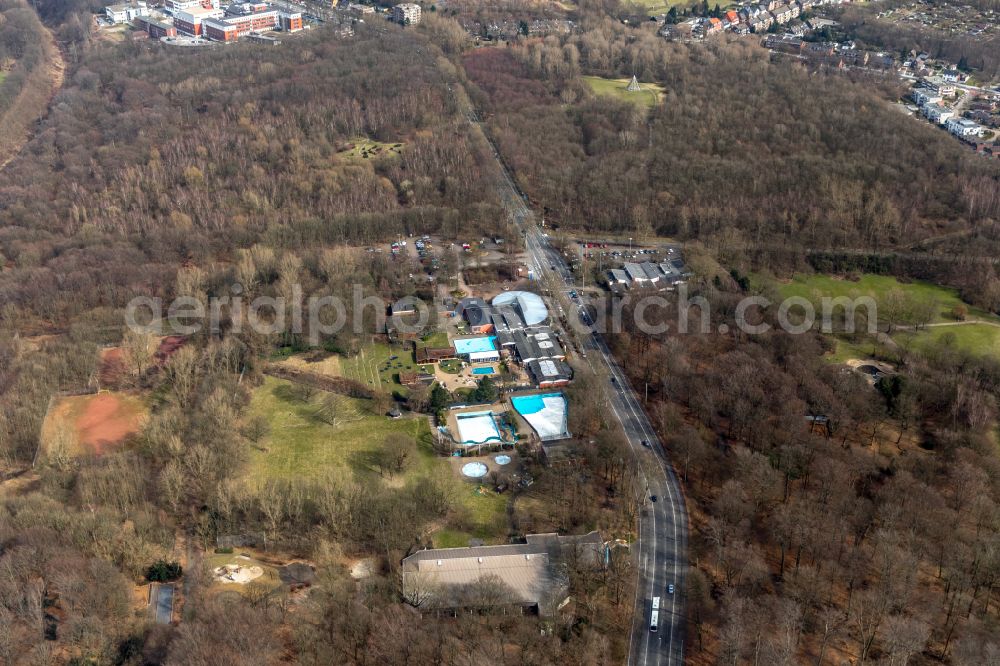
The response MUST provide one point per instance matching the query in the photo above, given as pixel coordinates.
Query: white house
(963, 127)
(126, 13)
(924, 96)
(937, 113)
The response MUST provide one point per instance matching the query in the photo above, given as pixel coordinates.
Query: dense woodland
(181, 172)
(873, 540)
(225, 148)
(757, 152)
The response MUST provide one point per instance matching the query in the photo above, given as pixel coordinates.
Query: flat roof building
(532, 576)
(126, 12)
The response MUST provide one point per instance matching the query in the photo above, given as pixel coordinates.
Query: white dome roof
(531, 305)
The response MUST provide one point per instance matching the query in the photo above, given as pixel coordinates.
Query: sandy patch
(236, 573)
(95, 423)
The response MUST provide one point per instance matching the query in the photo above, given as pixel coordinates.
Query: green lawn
(648, 96)
(375, 367)
(436, 339)
(302, 446)
(980, 339)
(814, 287)
(451, 365)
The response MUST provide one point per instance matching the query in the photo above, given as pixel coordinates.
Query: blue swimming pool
(532, 404)
(475, 345)
(483, 371)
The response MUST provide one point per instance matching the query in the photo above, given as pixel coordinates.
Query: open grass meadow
(302, 445)
(974, 338)
(978, 334)
(814, 287)
(649, 96)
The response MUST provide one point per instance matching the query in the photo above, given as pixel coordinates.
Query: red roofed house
(732, 17)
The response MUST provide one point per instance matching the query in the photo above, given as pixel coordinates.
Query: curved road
(663, 527)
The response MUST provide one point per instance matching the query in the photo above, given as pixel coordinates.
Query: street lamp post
(630, 245)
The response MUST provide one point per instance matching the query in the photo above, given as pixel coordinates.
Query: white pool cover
(476, 470)
(545, 413)
(477, 428)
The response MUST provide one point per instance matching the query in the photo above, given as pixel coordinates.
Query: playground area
(91, 424)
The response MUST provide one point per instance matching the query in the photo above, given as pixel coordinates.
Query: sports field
(91, 424)
(649, 96)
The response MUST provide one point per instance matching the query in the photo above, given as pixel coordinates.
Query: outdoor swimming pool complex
(483, 371)
(545, 412)
(479, 345)
(477, 428)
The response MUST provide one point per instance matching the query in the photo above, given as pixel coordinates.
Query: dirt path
(29, 107)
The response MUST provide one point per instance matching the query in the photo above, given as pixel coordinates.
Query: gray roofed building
(475, 311)
(537, 344)
(531, 575)
(618, 276)
(549, 372)
(652, 271)
(635, 272)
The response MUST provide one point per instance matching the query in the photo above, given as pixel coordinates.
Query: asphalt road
(663, 535)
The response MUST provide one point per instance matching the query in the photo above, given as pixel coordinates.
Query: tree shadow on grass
(364, 462)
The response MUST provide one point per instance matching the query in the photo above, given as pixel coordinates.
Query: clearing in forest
(304, 442)
(977, 333)
(649, 95)
(91, 424)
(367, 149)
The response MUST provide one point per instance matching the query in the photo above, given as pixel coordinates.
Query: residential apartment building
(937, 113)
(963, 127)
(407, 13)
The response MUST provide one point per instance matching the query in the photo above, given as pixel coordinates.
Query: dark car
(653, 498)
(646, 443)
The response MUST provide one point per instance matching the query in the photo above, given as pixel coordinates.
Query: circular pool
(475, 470)
(502, 460)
